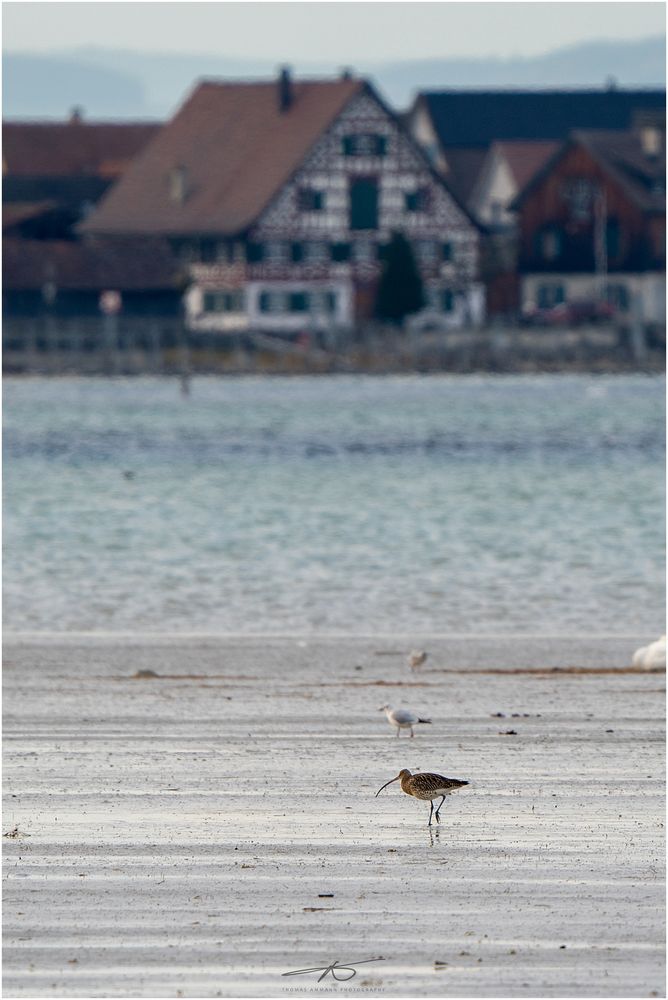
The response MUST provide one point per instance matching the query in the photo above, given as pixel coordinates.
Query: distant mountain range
(120, 83)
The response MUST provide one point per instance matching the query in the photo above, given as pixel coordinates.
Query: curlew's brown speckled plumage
(428, 786)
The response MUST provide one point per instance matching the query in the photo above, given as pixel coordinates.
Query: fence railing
(109, 346)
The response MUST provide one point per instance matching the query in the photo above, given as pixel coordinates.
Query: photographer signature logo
(333, 969)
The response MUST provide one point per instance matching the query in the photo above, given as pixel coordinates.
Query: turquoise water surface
(335, 504)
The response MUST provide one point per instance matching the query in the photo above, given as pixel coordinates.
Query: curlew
(402, 718)
(417, 658)
(426, 786)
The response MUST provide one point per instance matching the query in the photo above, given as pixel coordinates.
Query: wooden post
(184, 360)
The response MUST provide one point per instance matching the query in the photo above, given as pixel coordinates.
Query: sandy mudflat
(199, 833)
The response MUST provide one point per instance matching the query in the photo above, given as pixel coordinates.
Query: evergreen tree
(400, 291)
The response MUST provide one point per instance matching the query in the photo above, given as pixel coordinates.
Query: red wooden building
(591, 224)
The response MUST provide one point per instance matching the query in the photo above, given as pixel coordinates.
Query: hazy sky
(326, 31)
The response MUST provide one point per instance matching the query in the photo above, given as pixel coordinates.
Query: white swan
(652, 657)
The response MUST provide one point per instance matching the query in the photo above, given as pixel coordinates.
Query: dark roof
(463, 171)
(620, 154)
(131, 265)
(477, 117)
(65, 149)
(232, 147)
(14, 213)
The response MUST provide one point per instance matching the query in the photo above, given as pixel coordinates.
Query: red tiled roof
(235, 149)
(525, 159)
(130, 265)
(65, 149)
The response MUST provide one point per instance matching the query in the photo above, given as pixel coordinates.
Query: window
(340, 252)
(618, 296)
(276, 252)
(298, 302)
(447, 302)
(224, 301)
(323, 302)
(310, 200)
(273, 302)
(364, 203)
(315, 252)
(579, 193)
(446, 251)
(612, 238)
(185, 251)
(208, 251)
(550, 295)
(417, 201)
(426, 251)
(364, 144)
(254, 253)
(549, 243)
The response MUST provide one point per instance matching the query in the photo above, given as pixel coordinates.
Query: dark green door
(364, 203)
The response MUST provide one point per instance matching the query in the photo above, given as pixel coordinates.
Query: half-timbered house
(280, 198)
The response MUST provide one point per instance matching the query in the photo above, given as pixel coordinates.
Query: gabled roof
(643, 177)
(525, 159)
(126, 265)
(619, 154)
(66, 149)
(463, 171)
(467, 118)
(233, 149)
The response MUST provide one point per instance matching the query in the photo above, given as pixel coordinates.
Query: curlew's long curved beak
(386, 784)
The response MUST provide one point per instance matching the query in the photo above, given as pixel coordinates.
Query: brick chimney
(285, 93)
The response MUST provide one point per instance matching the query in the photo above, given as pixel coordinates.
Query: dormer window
(364, 144)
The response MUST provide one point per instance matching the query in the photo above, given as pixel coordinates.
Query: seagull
(401, 718)
(652, 657)
(417, 658)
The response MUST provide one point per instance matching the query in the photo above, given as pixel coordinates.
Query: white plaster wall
(293, 322)
(647, 291)
(214, 322)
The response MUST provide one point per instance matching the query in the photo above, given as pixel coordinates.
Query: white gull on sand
(652, 657)
(401, 718)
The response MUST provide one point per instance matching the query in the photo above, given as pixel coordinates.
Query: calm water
(344, 504)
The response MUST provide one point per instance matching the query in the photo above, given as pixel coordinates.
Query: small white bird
(417, 658)
(652, 657)
(401, 718)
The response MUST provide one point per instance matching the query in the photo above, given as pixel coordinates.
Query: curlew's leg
(398, 731)
(438, 818)
(431, 809)
(412, 733)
